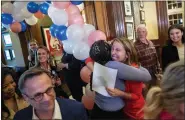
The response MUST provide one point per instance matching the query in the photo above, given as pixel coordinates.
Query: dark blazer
(70, 110)
(72, 74)
(169, 55)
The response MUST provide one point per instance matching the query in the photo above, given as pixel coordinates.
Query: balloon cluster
(69, 27)
(68, 24)
(16, 16)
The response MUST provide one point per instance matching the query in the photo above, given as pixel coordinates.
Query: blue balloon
(76, 2)
(56, 30)
(32, 7)
(52, 29)
(6, 18)
(44, 8)
(23, 26)
(61, 33)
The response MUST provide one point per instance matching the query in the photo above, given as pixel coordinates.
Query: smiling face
(33, 45)
(41, 84)
(176, 35)
(42, 55)
(118, 52)
(8, 87)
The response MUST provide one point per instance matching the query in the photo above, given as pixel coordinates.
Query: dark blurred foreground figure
(167, 101)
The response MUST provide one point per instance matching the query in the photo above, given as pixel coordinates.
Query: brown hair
(46, 49)
(129, 48)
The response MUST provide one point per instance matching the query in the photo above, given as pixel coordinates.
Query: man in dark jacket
(71, 71)
(37, 89)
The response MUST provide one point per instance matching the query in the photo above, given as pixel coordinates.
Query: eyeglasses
(39, 96)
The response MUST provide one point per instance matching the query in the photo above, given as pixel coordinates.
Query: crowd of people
(138, 93)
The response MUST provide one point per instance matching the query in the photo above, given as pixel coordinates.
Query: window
(175, 11)
(7, 54)
(174, 4)
(175, 19)
(7, 39)
(12, 54)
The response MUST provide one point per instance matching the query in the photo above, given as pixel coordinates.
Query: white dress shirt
(56, 114)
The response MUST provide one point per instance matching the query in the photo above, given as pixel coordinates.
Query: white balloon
(20, 4)
(59, 17)
(25, 13)
(17, 16)
(75, 32)
(68, 46)
(88, 28)
(81, 51)
(51, 9)
(81, 7)
(8, 7)
(32, 20)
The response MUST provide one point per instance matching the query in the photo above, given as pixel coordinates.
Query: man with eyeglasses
(37, 89)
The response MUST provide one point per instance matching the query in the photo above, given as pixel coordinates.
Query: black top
(169, 55)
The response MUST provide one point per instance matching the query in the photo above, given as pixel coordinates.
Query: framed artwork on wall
(128, 8)
(7, 54)
(51, 43)
(130, 31)
(7, 39)
(142, 15)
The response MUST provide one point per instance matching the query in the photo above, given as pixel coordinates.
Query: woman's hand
(115, 92)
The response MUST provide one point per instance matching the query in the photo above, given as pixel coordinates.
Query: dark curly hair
(175, 26)
(4, 72)
(100, 52)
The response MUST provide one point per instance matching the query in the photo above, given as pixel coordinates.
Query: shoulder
(114, 64)
(70, 105)
(24, 114)
(168, 47)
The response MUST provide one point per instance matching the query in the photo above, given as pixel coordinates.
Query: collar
(56, 114)
(147, 42)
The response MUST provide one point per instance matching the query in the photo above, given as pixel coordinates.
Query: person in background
(147, 55)
(44, 62)
(71, 67)
(174, 50)
(37, 88)
(32, 52)
(12, 101)
(167, 101)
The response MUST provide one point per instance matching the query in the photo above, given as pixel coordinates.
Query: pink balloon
(15, 27)
(61, 5)
(75, 19)
(72, 9)
(88, 102)
(96, 36)
(85, 74)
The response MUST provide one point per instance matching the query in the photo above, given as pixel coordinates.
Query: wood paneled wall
(107, 16)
